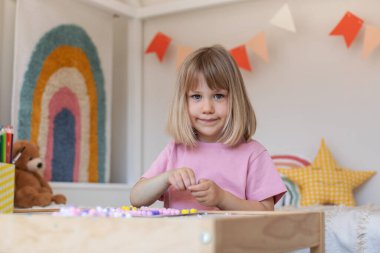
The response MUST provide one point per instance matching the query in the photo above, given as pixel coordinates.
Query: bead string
(122, 212)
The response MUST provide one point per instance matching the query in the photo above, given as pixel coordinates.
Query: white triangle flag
(284, 19)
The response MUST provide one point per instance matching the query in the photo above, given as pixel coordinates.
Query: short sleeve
(263, 180)
(161, 163)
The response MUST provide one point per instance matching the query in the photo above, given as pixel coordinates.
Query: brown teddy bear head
(30, 156)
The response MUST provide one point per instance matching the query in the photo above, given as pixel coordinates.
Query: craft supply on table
(123, 212)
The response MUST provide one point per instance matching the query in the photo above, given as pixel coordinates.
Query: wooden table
(221, 232)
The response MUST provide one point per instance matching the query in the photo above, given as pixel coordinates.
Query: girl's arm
(146, 191)
(231, 202)
(210, 194)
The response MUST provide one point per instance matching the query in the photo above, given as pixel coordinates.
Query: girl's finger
(179, 182)
(185, 178)
(202, 200)
(198, 187)
(199, 194)
(191, 176)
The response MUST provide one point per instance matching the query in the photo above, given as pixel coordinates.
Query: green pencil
(4, 144)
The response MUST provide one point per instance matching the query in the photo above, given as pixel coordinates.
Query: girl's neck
(209, 144)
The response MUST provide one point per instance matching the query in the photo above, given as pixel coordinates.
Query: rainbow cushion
(292, 196)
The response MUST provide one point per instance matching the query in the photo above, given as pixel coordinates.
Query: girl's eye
(196, 97)
(219, 96)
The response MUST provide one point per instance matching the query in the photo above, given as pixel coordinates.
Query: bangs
(214, 74)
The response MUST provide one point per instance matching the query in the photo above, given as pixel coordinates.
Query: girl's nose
(207, 106)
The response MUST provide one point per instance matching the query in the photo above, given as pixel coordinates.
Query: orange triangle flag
(349, 27)
(182, 53)
(159, 45)
(258, 45)
(371, 40)
(241, 57)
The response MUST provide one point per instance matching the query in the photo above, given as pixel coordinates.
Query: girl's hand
(181, 178)
(207, 192)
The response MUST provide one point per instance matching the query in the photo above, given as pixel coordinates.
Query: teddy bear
(31, 189)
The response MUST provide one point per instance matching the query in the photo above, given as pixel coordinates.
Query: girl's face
(208, 110)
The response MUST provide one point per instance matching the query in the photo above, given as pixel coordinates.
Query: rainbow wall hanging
(62, 103)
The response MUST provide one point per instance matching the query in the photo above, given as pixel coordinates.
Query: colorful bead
(126, 208)
(122, 212)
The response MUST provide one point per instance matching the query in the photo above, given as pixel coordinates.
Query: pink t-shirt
(247, 171)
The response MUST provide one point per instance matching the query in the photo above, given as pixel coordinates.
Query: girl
(212, 163)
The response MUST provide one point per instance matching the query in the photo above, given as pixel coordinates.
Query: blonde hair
(220, 72)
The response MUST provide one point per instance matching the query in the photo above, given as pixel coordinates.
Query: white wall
(7, 9)
(313, 86)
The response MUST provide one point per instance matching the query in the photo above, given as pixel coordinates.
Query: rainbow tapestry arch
(63, 106)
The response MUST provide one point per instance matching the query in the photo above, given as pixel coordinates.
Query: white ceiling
(140, 3)
(143, 9)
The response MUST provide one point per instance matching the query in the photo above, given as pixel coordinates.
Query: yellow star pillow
(323, 182)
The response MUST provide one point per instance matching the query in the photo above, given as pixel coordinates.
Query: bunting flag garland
(258, 45)
(371, 40)
(159, 45)
(283, 19)
(182, 53)
(241, 57)
(349, 27)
